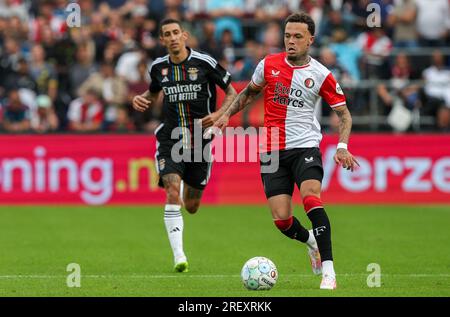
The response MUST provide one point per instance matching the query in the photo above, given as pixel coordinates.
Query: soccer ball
(259, 273)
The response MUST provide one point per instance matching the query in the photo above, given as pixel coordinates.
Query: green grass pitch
(124, 251)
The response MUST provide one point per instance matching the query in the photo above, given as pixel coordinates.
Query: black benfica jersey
(189, 92)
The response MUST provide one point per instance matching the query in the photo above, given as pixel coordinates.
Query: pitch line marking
(162, 276)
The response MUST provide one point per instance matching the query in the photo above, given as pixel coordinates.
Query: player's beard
(300, 59)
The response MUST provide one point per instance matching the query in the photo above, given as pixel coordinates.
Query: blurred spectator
(347, 53)
(331, 22)
(148, 37)
(46, 17)
(226, 15)
(44, 119)
(16, 116)
(229, 48)
(110, 87)
(244, 69)
(149, 120)
(9, 59)
(127, 65)
(315, 8)
(11, 8)
(99, 38)
(20, 78)
(43, 73)
(268, 10)
(112, 52)
(86, 113)
(209, 44)
(403, 19)
(84, 66)
(433, 21)
(400, 88)
(437, 91)
(376, 47)
(114, 26)
(328, 59)
(17, 28)
(358, 14)
(123, 122)
(272, 38)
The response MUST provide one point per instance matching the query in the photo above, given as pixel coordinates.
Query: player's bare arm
(144, 101)
(230, 95)
(242, 100)
(343, 156)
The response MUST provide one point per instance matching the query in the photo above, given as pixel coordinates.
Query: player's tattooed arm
(244, 98)
(144, 101)
(210, 119)
(228, 100)
(343, 156)
(345, 123)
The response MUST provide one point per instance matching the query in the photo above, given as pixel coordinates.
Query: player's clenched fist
(141, 103)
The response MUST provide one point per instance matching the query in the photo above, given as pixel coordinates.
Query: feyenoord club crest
(309, 83)
(162, 164)
(193, 73)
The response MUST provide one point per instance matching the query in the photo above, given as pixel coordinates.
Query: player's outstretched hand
(210, 119)
(141, 103)
(218, 126)
(222, 122)
(346, 159)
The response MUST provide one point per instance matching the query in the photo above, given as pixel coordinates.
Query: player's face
(173, 38)
(297, 40)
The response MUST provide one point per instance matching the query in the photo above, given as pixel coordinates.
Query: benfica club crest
(309, 83)
(164, 73)
(193, 73)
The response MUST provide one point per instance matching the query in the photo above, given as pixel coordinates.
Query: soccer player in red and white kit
(292, 82)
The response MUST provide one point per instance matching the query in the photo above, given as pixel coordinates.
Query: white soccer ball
(259, 273)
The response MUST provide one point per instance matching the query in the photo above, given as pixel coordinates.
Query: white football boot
(328, 282)
(181, 265)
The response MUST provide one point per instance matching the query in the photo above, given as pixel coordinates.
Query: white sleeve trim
(339, 104)
(258, 75)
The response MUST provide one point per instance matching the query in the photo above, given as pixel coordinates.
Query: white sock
(312, 243)
(328, 268)
(174, 226)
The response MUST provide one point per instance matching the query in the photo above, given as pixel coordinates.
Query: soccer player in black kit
(188, 81)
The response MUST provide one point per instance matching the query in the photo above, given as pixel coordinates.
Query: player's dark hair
(169, 21)
(302, 17)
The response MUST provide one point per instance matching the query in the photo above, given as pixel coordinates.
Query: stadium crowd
(56, 78)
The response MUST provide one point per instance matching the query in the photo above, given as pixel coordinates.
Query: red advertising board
(120, 169)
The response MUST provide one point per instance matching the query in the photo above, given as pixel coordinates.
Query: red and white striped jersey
(290, 96)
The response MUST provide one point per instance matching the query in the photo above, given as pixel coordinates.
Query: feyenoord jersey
(189, 91)
(290, 96)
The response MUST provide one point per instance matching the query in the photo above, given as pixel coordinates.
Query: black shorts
(294, 167)
(195, 174)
